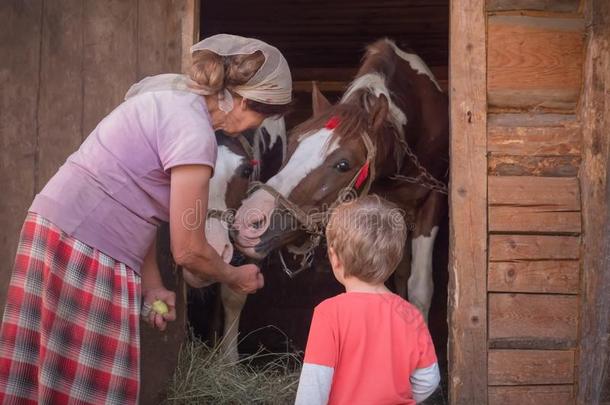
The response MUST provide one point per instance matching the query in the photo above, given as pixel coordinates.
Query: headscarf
(271, 84)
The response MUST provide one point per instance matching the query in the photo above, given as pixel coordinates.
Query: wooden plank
(467, 306)
(534, 395)
(20, 39)
(534, 62)
(530, 367)
(530, 247)
(561, 277)
(61, 87)
(594, 364)
(545, 166)
(556, 193)
(110, 53)
(190, 17)
(533, 220)
(539, 5)
(533, 320)
(534, 135)
(160, 37)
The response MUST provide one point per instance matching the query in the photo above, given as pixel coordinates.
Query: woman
(86, 253)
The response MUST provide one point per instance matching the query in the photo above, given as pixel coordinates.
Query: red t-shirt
(374, 342)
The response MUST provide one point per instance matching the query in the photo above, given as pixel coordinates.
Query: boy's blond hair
(368, 235)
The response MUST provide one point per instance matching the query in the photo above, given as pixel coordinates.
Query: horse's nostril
(258, 224)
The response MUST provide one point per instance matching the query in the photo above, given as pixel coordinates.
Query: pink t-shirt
(374, 343)
(112, 193)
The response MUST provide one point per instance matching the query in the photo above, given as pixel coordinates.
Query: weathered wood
(534, 62)
(553, 193)
(543, 320)
(20, 39)
(534, 395)
(540, 5)
(533, 220)
(530, 367)
(529, 247)
(534, 277)
(110, 38)
(594, 364)
(467, 307)
(548, 166)
(190, 18)
(61, 86)
(159, 43)
(534, 135)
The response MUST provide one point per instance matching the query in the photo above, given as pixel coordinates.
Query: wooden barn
(527, 302)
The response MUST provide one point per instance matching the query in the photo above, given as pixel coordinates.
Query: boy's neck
(353, 284)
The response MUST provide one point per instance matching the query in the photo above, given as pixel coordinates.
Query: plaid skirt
(70, 332)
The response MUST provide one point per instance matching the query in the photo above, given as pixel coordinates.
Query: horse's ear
(319, 103)
(379, 113)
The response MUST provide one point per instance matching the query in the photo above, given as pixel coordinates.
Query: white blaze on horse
(237, 164)
(388, 135)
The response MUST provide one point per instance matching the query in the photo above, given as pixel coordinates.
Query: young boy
(367, 346)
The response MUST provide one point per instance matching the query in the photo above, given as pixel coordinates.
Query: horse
(239, 161)
(387, 135)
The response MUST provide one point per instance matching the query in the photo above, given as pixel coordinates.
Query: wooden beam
(548, 276)
(467, 305)
(534, 62)
(533, 247)
(569, 6)
(594, 365)
(534, 135)
(533, 320)
(531, 367)
(534, 395)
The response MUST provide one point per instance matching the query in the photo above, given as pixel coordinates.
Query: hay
(205, 376)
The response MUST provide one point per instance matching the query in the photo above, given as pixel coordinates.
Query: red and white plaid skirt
(70, 332)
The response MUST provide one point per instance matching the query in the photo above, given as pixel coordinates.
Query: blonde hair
(368, 235)
(212, 73)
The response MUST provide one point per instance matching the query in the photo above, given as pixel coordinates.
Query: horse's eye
(342, 165)
(247, 171)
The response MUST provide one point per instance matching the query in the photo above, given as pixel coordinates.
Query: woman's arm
(188, 209)
(153, 289)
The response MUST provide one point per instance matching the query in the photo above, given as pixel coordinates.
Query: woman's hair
(213, 72)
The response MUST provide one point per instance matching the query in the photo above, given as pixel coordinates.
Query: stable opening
(323, 42)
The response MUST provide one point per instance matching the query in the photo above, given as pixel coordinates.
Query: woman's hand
(153, 318)
(247, 279)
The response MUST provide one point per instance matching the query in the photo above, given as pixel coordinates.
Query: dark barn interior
(322, 41)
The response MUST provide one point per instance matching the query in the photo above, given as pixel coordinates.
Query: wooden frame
(468, 204)
(593, 376)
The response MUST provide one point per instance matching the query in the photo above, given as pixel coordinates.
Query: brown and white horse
(237, 164)
(393, 118)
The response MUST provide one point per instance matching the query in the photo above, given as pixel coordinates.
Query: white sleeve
(424, 382)
(314, 385)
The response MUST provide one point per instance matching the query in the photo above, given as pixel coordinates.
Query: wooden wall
(64, 66)
(534, 143)
(519, 326)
